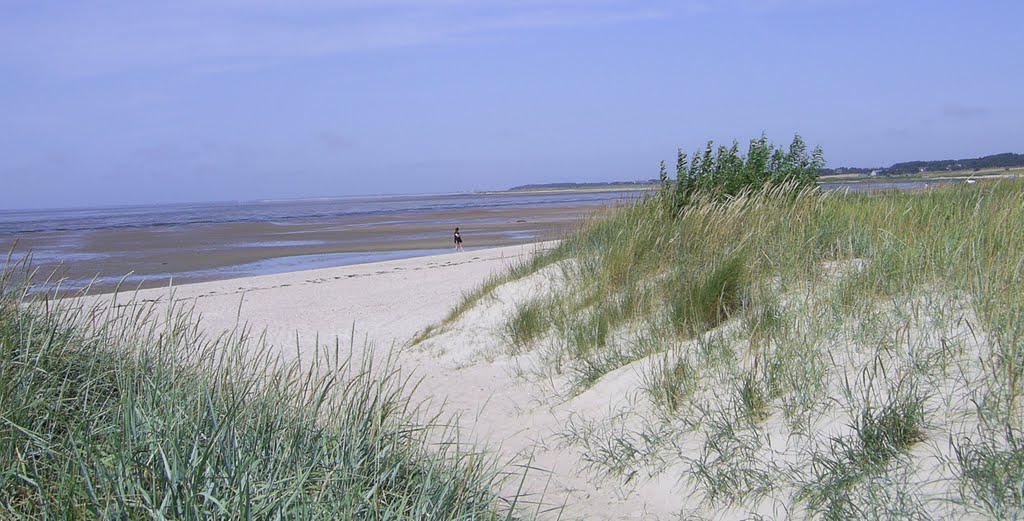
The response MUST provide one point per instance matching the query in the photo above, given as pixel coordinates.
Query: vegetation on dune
(723, 172)
(122, 413)
(879, 335)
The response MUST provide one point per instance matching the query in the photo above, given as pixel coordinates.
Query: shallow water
(877, 186)
(148, 246)
(292, 211)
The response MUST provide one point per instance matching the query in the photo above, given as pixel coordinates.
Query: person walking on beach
(458, 240)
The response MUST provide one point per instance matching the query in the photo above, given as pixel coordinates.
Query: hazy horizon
(284, 199)
(117, 103)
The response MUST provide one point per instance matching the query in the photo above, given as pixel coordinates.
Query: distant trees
(994, 161)
(721, 171)
(1005, 160)
(849, 170)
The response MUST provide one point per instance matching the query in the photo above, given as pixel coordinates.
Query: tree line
(1004, 160)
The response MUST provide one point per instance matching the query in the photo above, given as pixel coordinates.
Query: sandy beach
(386, 304)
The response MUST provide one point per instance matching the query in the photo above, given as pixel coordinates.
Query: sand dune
(385, 305)
(504, 404)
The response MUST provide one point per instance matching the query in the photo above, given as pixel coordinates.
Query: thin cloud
(965, 112)
(104, 37)
(760, 7)
(333, 141)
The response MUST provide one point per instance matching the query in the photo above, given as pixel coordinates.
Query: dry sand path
(386, 302)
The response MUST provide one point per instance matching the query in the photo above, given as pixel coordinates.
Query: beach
(511, 261)
(608, 444)
(384, 302)
(144, 247)
(376, 309)
(255, 273)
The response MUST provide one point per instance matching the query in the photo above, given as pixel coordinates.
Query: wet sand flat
(156, 256)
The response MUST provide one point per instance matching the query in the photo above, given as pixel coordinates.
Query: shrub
(723, 172)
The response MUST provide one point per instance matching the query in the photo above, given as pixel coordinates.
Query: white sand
(387, 304)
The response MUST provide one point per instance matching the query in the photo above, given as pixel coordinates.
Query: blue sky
(125, 102)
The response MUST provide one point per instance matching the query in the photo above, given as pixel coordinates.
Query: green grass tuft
(754, 399)
(526, 325)
(672, 384)
(883, 433)
(992, 476)
(702, 304)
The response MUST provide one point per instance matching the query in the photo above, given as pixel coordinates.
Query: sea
(14, 222)
(149, 245)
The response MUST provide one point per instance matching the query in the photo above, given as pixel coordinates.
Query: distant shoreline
(558, 188)
(143, 250)
(833, 180)
(955, 175)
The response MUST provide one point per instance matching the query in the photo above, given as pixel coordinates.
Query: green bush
(723, 172)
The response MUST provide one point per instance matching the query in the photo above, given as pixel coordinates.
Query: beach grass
(880, 334)
(121, 409)
(530, 264)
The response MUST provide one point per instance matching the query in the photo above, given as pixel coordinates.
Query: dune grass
(122, 411)
(530, 265)
(877, 334)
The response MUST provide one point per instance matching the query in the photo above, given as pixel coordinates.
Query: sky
(108, 102)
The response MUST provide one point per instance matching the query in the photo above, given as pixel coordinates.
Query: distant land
(1006, 160)
(618, 185)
